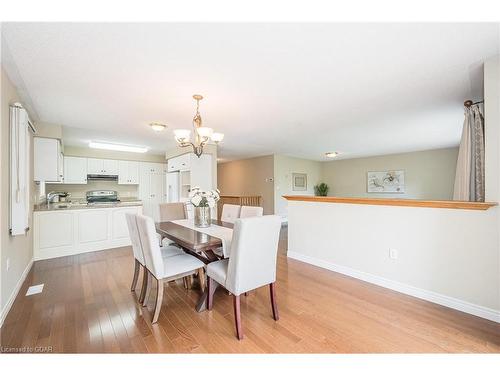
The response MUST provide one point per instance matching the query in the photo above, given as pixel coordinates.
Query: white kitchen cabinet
(179, 163)
(152, 191)
(75, 231)
(48, 160)
(75, 170)
(102, 166)
(128, 172)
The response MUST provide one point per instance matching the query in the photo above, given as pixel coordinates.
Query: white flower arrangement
(200, 198)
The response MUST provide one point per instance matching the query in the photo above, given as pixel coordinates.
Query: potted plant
(321, 190)
(203, 202)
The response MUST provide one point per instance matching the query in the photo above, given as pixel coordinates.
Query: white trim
(15, 292)
(440, 299)
(83, 248)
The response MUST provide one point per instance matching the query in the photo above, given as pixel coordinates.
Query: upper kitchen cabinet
(128, 172)
(180, 163)
(75, 170)
(48, 160)
(102, 166)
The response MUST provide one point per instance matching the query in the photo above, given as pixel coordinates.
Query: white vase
(202, 217)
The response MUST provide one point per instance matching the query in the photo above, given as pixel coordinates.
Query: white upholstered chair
(163, 269)
(251, 211)
(166, 251)
(252, 264)
(170, 212)
(230, 212)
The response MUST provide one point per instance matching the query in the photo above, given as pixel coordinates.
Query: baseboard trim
(15, 292)
(440, 299)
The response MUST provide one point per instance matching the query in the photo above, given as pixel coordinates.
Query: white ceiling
(296, 89)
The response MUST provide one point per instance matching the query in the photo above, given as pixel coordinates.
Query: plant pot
(202, 217)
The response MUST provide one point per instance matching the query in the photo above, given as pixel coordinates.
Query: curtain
(469, 177)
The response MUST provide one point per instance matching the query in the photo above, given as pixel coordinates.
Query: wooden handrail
(395, 202)
(240, 200)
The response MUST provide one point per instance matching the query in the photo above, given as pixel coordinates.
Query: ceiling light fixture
(117, 147)
(332, 154)
(202, 134)
(157, 127)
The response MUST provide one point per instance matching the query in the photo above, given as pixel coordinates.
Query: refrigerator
(173, 187)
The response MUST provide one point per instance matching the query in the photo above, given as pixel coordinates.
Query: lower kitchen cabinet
(69, 232)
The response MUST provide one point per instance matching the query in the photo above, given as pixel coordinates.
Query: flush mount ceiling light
(202, 134)
(117, 147)
(157, 126)
(332, 154)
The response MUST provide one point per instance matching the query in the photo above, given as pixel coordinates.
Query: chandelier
(202, 134)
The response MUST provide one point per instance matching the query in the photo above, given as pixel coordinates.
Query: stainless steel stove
(102, 197)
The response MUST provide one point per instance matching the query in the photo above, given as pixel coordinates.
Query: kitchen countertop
(82, 205)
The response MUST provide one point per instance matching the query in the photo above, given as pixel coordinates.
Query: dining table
(197, 244)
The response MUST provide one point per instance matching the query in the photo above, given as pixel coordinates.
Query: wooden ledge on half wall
(395, 202)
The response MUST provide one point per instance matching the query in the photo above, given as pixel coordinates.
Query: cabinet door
(95, 166)
(123, 176)
(93, 225)
(172, 165)
(110, 166)
(184, 161)
(144, 182)
(46, 159)
(156, 187)
(120, 229)
(75, 170)
(133, 172)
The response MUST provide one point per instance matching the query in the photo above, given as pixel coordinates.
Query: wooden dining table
(198, 244)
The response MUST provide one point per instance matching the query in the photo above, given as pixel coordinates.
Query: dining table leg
(201, 305)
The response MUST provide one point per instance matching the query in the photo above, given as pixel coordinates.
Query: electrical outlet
(7, 265)
(393, 254)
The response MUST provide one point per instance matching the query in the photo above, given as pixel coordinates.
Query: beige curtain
(469, 177)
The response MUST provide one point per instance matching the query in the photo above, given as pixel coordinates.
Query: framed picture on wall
(299, 181)
(386, 182)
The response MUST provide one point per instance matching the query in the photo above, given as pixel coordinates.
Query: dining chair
(166, 251)
(163, 269)
(254, 249)
(251, 211)
(170, 212)
(230, 212)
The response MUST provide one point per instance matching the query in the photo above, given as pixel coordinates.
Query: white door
(95, 166)
(46, 159)
(156, 194)
(75, 170)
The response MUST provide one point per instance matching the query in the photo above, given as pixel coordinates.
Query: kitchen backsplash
(78, 191)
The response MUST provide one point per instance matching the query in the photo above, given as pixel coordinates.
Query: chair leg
(137, 266)
(184, 282)
(144, 284)
(159, 300)
(201, 278)
(148, 289)
(272, 292)
(237, 317)
(210, 297)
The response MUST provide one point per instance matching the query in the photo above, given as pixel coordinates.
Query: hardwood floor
(86, 306)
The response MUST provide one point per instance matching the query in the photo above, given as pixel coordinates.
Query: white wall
(447, 256)
(429, 174)
(18, 250)
(284, 167)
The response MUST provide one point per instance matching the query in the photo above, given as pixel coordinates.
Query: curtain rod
(30, 124)
(469, 103)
